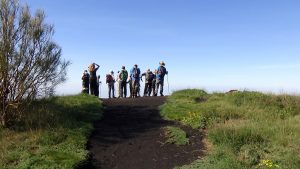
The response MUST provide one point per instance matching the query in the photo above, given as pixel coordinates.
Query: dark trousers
(148, 89)
(159, 84)
(123, 90)
(153, 87)
(93, 86)
(111, 90)
(97, 91)
(86, 86)
(130, 88)
(135, 88)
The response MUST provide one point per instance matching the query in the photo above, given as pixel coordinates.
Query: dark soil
(130, 136)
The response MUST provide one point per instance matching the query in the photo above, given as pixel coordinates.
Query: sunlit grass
(244, 127)
(52, 134)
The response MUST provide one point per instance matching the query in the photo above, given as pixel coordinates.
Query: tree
(30, 61)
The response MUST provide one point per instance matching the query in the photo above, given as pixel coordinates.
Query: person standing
(85, 82)
(149, 76)
(154, 82)
(110, 80)
(123, 76)
(118, 81)
(93, 77)
(130, 86)
(135, 80)
(97, 86)
(160, 75)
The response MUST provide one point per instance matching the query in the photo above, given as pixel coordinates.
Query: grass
(52, 134)
(247, 129)
(176, 135)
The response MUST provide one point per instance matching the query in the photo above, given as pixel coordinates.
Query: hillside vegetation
(246, 129)
(53, 133)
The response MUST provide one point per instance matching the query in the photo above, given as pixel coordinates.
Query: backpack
(85, 80)
(123, 75)
(85, 77)
(136, 73)
(162, 71)
(149, 76)
(109, 78)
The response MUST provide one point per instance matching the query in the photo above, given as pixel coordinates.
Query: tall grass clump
(53, 133)
(247, 129)
(176, 135)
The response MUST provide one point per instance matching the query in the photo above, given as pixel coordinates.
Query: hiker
(93, 77)
(85, 82)
(118, 80)
(110, 80)
(130, 86)
(149, 76)
(123, 76)
(138, 92)
(135, 80)
(154, 82)
(160, 75)
(97, 86)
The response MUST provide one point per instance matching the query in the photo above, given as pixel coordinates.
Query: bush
(30, 64)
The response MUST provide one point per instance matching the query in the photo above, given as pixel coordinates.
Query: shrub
(30, 62)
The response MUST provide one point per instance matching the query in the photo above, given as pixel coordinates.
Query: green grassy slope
(246, 129)
(53, 133)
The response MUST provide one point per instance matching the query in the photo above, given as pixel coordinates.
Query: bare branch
(30, 62)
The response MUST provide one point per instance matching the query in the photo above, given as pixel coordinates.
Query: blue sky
(212, 44)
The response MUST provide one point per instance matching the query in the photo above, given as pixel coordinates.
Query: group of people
(90, 81)
(154, 81)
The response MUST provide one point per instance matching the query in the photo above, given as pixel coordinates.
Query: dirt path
(130, 136)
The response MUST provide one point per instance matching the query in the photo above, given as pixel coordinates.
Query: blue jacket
(161, 72)
(135, 74)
